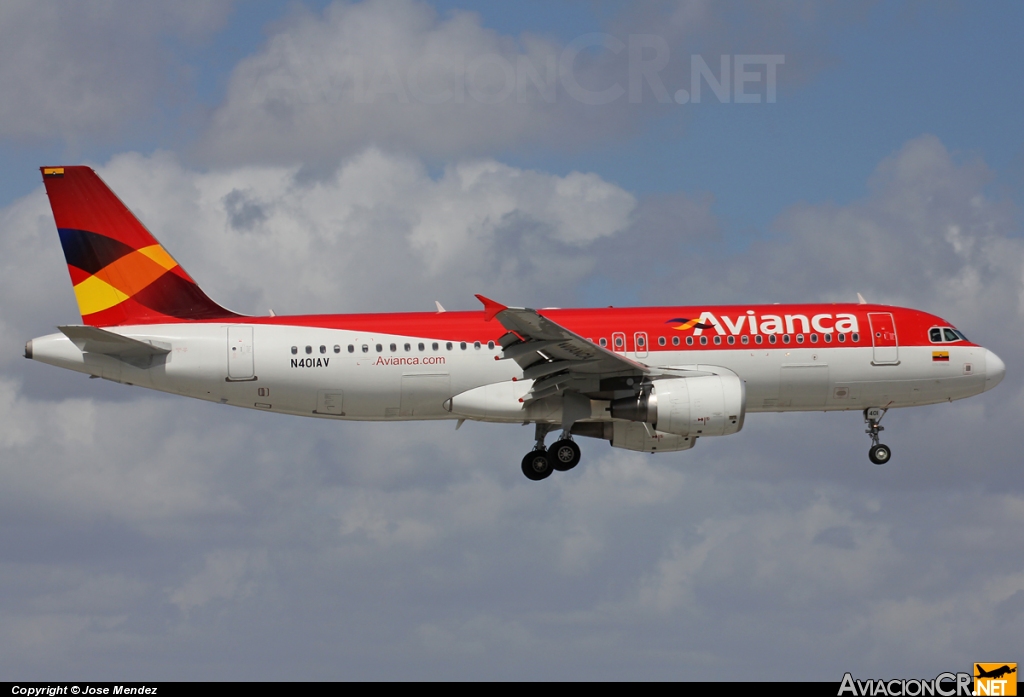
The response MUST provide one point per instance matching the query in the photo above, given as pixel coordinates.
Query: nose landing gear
(878, 454)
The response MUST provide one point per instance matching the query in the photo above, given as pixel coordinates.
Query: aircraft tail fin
(120, 273)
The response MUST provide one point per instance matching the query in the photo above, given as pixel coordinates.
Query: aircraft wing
(558, 359)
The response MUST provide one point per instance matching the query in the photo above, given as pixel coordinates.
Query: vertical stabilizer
(120, 273)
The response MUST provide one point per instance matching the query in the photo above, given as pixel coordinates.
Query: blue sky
(144, 536)
(894, 71)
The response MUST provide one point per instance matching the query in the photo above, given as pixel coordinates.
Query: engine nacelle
(634, 436)
(711, 405)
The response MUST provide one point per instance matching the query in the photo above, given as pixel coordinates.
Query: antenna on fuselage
(861, 300)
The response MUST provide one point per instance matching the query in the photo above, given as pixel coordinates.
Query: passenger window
(675, 341)
(603, 342)
(828, 338)
(393, 347)
(366, 349)
(799, 338)
(661, 341)
(842, 338)
(379, 348)
(718, 341)
(689, 341)
(772, 339)
(703, 341)
(448, 345)
(758, 339)
(462, 345)
(814, 338)
(408, 347)
(640, 341)
(744, 339)
(785, 338)
(476, 344)
(855, 337)
(490, 345)
(433, 346)
(732, 340)
(351, 348)
(337, 348)
(309, 349)
(295, 349)
(618, 342)
(323, 349)
(420, 346)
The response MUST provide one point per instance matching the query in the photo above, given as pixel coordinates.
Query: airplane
(647, 379)
(999, 672)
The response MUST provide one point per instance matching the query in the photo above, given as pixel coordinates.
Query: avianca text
(411, 360)
(824, 323)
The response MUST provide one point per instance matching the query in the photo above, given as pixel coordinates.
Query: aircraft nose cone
(995, 369)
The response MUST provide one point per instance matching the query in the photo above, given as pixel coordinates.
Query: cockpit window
(945, 335)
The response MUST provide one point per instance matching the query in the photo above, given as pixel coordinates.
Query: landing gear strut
(878, 454)
(540, 462)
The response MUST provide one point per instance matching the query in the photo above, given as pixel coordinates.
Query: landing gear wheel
(879, 454)
(537, 465)
(564, 455)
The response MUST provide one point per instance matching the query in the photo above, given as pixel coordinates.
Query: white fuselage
(310, 371)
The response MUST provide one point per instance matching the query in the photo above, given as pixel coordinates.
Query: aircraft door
(240, 358)
(883, 338)
(640, 344)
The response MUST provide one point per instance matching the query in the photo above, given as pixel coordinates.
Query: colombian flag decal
(940, 356)
(682, 324)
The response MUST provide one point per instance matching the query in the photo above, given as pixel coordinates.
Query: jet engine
(710, 405)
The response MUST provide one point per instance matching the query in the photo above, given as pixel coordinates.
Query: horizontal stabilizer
(132, 351)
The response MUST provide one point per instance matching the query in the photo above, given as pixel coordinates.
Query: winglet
(491, 308)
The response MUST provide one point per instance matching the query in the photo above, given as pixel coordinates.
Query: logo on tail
(120, 273)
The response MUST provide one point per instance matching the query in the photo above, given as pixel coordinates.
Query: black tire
(564, 455)
(880, 454)
(537, 465)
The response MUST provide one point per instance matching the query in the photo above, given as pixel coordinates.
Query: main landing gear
(878, 454)
(540, 462)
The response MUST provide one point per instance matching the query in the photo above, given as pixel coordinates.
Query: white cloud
(82, 70)
(376, 233)
(223, 577)
(398, 76)
(927, 235)
(414, 545)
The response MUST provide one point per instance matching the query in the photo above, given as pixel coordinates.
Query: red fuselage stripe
(911, 326)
